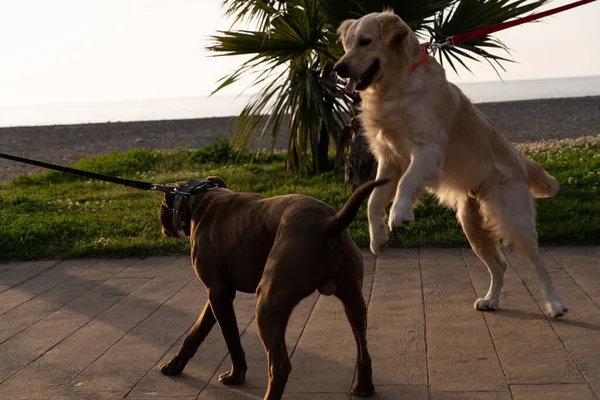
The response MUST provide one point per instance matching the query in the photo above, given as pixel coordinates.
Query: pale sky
(69, 51)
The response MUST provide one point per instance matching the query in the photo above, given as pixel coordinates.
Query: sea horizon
(226, 106)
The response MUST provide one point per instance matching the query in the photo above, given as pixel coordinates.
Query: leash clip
(165, 188)
(435, 46)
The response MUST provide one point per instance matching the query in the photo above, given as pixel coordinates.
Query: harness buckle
(179, 195)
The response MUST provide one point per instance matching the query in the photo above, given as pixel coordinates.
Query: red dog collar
(424, 55)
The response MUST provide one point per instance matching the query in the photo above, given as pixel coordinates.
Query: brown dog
(282, 248)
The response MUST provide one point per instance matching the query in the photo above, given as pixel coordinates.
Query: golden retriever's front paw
(379, 239)
(401, 214)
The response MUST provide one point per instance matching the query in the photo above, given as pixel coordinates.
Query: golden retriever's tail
(340, 221)
(540, 182)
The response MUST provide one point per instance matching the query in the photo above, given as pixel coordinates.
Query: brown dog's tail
(541, 184)
(340, 221)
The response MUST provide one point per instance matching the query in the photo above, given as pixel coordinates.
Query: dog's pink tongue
(351, 86)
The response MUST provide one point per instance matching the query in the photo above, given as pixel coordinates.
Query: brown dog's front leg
(221, 302)
(191, 343)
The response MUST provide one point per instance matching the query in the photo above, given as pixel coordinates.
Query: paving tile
(142, 327)
(38, 339)
(150, 267)
(211, 359)
(471, 396)
(583, 265)
(22, 272)
(33, 311)
(65, 395)
(552, 392)
(324, 359)
(9, 265)
(48, 279)
(579, 327)
(257, 376)
(99, 331)
(28, 313)
(460, 353)
(399, 392)
(396, 334)
(369, 263)
(214, 392)
(217, 392)
(33, 342)
(528, 348)
(152, 396)
(108, 268)
(25, 313)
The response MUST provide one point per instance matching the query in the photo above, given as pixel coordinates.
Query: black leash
(175, 195)
(107, 178)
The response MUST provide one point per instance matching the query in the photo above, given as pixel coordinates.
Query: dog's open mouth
(363, 81)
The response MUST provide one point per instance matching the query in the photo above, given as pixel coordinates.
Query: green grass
(54, 215)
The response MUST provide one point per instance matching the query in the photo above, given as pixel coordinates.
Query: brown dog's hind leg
(191, 343)
(272, 322)
(285, 282)
(350, 293)
(221, 302)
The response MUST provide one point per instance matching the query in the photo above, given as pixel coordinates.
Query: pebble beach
(521, 121)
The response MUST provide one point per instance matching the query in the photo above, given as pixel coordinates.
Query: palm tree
(292, 48)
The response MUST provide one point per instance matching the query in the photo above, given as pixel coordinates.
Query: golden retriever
(426, 135)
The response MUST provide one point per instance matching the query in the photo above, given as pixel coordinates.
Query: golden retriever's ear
(218, 181)
(343, 28)
(393, 29)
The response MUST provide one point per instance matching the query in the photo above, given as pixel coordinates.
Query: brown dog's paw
(173, 367)
(232, 378)
(363, 390)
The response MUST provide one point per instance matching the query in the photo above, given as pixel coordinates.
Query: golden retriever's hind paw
(173, 367)
(378, 237)
(485, 304)
(556, 308)
(378, 248)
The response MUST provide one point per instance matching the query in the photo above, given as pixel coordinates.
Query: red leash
(465, 37)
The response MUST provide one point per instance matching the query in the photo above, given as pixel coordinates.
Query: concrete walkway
(97, 329)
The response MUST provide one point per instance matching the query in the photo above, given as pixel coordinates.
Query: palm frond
(290, 60)
(257, 11)
(416, 13)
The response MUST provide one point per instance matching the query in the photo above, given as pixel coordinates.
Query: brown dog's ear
(393, 29)
(218, 181)
(343, 28)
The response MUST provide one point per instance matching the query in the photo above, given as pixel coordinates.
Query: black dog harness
(176, 200)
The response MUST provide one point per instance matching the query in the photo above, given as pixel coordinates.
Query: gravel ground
(529, 120)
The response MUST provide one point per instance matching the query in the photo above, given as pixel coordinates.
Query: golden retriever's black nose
(342, 70)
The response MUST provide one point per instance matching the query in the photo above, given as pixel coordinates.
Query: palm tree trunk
(323, 150)
(360, 163)
(322, 156)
